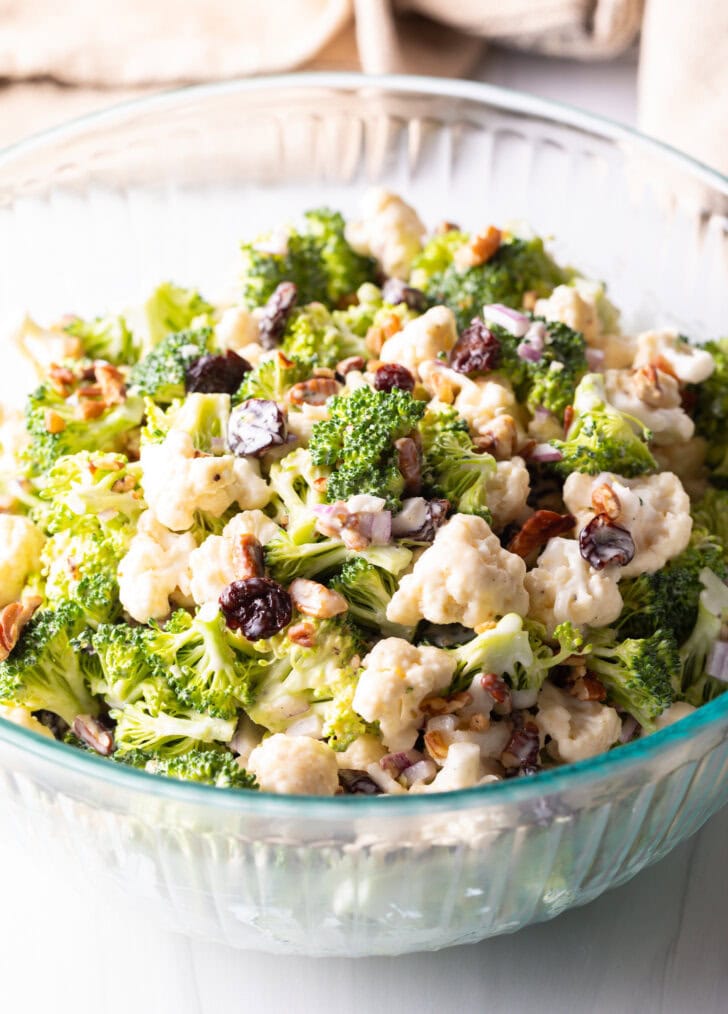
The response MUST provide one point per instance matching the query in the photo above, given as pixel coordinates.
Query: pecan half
(315, 599)
(408, 462)
(13, 617)
(53, 422)
(496, 686)
(347, 365)
(538, 529)
(587, 688)
(446, 705)
(313, 392)
(247, 557)
(479, 249)
(605, 501)
(499, 437)
(111, 383)
(303, 634)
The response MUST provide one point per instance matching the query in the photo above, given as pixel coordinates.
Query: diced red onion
(528, 351)
(396, 763)
(511, 320)
(419, 772)
(326, 510)
(545, 452)
(630, 728)
(717, 664)
(595, 359)
(375, 527)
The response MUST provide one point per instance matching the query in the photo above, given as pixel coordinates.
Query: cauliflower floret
(676, 711)
(212, 565)
(365, 750)
(238, 330)
(155, 567)
(421, 339)
(563, 586)
(396, 677)
(389, 230)
(301, 422)
(573, 308)
(177, 481)
(465, 576)
(578, 729)
(25, 719)
(653, 397)
(655, 510)
(462, 768)
(295, 765)
(21, 543)
(584, 307)
(480, 401)
(690, 365)
(687, 461)
(507, 493)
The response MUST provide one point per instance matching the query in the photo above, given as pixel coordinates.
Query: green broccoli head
(109, 338)
(161, 374)
(298, 487)
(453, 469)
(504, 649)
(357, 442)
(81, 566)
(317, 337)
(206, 765)
(602, 439)
(317, 259)
(639, 673)
(172, 308)
(548, 652)
(273, 378)
(287, 560)
(369, 589)
(697, 683)
(710, 515)
(45, 670)
(517, 267)
(711, 409)
(550, 383)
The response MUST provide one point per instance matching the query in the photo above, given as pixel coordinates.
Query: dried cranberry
(496, 686)
(395, 291)
(357, 783)
(255, 426)
(391, 375)
(217, 374)
(276, 312)
(258, 606)
(477, 350)
(604, 544)
(523, 747)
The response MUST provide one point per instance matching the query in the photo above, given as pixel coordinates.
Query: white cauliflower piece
(301, 421)
(295, 765)
(177, 481)
(21, 543)
(365, 750)
(507, 492)
(676, 711)
(655, 510)
(421, 339)
(563, 586)
(25, 719)
(584, 306)
(653, 399)
(212, 565)
(461, 769)
(690, 364)
(155, 567)
(578, 729)
(389, 230)
(481, 401)
(238, 330)
(687, 461)
(569, 306)
(396, 677)
(465, 576)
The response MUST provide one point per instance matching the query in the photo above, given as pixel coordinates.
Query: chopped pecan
(655, 388)
(479, 249)
(61, 379)
(105, 464)
(89, 408)
(496, 686)
(331, 523)
(324, 371)
(664, 366)
(605, 501)
(587, 688)
(303, 634)
(349, 364)
(478, 723)
(529, 299)
(125, 484)
(13, 618)
(377, 334)
(444, 226)
(568, 418)
(499, 437)
(446, 705)
(313, 392)
(408, 462)
(247, 557)
(53, 422)
(315, 599)
(538, 529)
(111, 383)
(523, 747)
(442, 387)
(436, 745)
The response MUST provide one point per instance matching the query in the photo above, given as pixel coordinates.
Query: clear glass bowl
(94, 214)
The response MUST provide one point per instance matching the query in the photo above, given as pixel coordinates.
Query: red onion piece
(717, 664)
(545, 452)
(528, 351)
(595, 359)
(380, 527)
(396, 763)
(630, 728)
(419, 772)
(511, 320)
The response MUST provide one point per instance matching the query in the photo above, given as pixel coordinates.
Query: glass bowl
(92, 216)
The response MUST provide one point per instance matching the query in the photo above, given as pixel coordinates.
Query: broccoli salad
(408, 513)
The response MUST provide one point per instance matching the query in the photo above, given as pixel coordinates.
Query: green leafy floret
(369, 589)
(698, 684)
(357, 442)
(172, 308)
(517, 267)
(45, 670)
(297, 486)
(320, 338)
(273, 378)
(317, 259)
(287, 559)
(452, 467)
(602, 439)
(160, 375)
(109, 338)
(639, 674)
(711, 410)
(550, 382)
(710, 515)
(209, 766)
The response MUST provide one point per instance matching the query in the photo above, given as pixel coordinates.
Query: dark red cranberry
(257, 606)
(604, 544)
(523, 747)
(276, 312)
(395, 291)
(357, 783)
(391, 375)
(217, 374)
(255, 426)
(477, 350)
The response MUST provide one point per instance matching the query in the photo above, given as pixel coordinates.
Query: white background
(657, 944)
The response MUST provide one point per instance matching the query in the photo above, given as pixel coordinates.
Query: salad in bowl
(406, 513)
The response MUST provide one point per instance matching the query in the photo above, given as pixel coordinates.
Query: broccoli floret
(452, 467)
(204, 416)
(105, 487)
(368, 590)
(45, 670)
(81, 566)
(204, 668)
(172, 308)
(272, 378)
(697, 684)
(548, 652)
(711, 515)
(297, 484)
(504, 649)
(287, 559)
(57, 428)
(210, 766)
(317, 259)
(517, 267)
(109, 338)
(160, 375)
(711, 409)
(127, 668)
(319, 338)
(639, 673)
(357, 442)
(550, 383)
(602, 439)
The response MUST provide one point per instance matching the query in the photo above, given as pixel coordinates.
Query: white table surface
(658, 944)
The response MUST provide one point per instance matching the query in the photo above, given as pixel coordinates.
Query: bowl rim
(520, 791)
